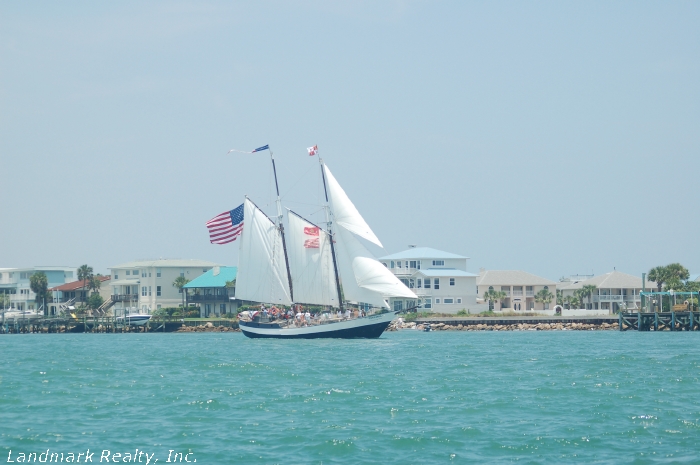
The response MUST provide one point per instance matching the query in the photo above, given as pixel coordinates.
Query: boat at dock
(327, 268)
(137, 319)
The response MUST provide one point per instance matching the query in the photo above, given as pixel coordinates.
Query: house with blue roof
(210, 293)
(439, 279)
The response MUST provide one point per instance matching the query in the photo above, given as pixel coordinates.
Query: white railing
(529, 293)
(607, 298)
(517, 293)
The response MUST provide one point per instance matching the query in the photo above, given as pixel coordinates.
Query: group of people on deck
(302, 317)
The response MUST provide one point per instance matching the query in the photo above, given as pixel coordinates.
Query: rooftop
(166, 263)
(75, 285)
(611, 280)
(511, 278)
(421, 252)
(444, 272)
(213, 279)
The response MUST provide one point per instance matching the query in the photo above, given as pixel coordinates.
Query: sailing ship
(325, 267)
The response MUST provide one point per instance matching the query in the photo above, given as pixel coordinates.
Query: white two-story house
(14, 282)
(439, 279)
(147, 285)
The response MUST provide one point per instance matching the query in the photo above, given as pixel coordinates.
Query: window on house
(143, 273)
(128, 272)
(157, 272)
(412, 264)
(158, 293)
(436, 284)
(182, 272)
(149, 291)
(222, 309)
(398, 264)
(398, 305)
(418, 263)
(437, 301)
(426, 283)
(405, 282)
(116, 275)
(411, 283)
(452, 281)
(392, 264)
(448, 301)
(143, 291)
(459, 301)
(438, 263)
(418, 283)
(158, 306)
(428, 303)
(149, 273)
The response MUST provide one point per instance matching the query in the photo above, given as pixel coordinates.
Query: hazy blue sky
(552, 137)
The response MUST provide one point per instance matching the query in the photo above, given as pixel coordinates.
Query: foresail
(344, 212)
(311, 263)
(364, 279)
(262, 275)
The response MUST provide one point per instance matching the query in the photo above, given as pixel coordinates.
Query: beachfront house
(147, 285)
(14, 282)
(65, 296)
(614, 291)
(519, 289)
(439, 279)
(211, 294)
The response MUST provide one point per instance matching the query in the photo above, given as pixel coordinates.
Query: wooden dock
(102, 324)
(660, 321)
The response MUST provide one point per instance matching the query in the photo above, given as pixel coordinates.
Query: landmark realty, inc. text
(106, 456)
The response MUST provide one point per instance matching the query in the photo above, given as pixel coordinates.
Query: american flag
(226, 227)
(312, 243)
(312, 150)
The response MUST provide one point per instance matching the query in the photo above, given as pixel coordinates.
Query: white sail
(364, 279)
(344, 212)
(262, 271)
(310, 263)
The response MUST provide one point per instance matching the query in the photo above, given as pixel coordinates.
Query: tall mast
(280, 225)
(330, 233)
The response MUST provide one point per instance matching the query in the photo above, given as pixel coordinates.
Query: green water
(408, 397)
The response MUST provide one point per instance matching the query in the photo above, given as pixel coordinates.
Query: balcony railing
(529, 293)
(125, 297)
(208, 298)
(607, 298)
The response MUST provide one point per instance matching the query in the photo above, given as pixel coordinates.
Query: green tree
(95, 284)
(179, 283)
(587, 291)
(39, 284)
(560, 297)
(4, 300)
(493, 296)
(95, 301)
(571, 300)
(543, 296)
(84, 275)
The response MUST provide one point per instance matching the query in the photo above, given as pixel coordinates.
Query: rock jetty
(206, 328)
(397, 325)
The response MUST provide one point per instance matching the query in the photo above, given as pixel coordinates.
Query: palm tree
(95, 284)
(543, 296)
(560, 297)
(179, 283)
(570, 300)
(587, 291)
(493, 296)
(84, 274)
(39, 284)
(659, 275)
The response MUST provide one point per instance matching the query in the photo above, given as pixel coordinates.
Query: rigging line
(302, 177)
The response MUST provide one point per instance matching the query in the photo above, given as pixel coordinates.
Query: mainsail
(262, 275)
(310, 262)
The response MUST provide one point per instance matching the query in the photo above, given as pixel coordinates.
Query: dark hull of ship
(361, 328)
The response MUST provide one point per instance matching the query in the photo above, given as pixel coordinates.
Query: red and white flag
(313, 150)
(312, 243)
(311, 231)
